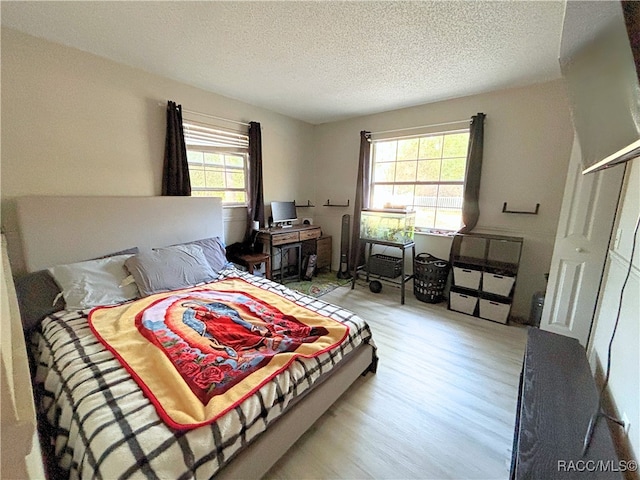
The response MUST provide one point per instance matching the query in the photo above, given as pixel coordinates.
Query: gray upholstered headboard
(57, 230)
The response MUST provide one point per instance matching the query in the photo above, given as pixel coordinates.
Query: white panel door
(584, 229)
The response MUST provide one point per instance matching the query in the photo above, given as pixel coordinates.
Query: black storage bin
(429, 278)
(385, 265)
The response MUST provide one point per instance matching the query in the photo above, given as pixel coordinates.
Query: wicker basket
(429, 278)
(385, 265)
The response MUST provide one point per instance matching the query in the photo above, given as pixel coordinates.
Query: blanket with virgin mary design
(199, 352)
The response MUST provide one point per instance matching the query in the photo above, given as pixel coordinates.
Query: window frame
(397, 138)
(220, 141)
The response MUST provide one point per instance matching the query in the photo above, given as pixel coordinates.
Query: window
(425, 173)
(217, 162)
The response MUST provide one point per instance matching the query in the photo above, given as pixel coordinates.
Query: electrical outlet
(627, 425)
(616, 239)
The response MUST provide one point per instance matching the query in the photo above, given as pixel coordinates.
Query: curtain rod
(192, 112)
(422, 126)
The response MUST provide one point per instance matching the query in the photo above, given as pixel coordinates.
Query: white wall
(528, 137)
(76, 124)
(624, 383)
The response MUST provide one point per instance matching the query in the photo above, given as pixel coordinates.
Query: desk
(285, 239)
(402, 246)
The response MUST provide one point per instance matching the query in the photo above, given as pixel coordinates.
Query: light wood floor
(442, 404)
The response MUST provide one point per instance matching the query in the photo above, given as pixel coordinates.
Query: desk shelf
(288, 271)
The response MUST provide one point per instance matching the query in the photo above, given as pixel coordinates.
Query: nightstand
(251, 260)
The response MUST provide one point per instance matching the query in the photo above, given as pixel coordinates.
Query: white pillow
(94, 282)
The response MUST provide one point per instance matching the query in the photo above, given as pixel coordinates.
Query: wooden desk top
(294, 228)
(284, 236)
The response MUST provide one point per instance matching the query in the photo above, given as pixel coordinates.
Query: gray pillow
(37, 294)
(169, 268)
(214, 252)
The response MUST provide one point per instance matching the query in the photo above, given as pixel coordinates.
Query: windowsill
(436, 233)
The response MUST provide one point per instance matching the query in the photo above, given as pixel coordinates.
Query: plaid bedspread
(104, 427)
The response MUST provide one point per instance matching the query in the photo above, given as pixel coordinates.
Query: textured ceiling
(315, 61)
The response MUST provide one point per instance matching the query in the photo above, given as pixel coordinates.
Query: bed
(104, 424)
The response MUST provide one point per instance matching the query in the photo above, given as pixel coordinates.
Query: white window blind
(200, 135)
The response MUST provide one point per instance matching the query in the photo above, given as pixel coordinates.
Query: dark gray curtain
(470, 205)
(255, 208)
(361, 200)
(175, 175)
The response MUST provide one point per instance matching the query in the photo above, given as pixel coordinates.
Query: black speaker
(343, 271)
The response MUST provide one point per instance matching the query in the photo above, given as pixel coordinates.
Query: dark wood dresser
(556, 400)
(323, 246)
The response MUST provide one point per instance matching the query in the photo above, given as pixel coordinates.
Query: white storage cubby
(485, 271)
(461, 302)
(467, 277)
(496, 311)
(497, 284)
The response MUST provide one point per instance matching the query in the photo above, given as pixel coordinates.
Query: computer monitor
(283, 213)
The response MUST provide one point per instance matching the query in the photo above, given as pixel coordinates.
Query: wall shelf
(329, 204)
(309, 204)
(535, 212)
